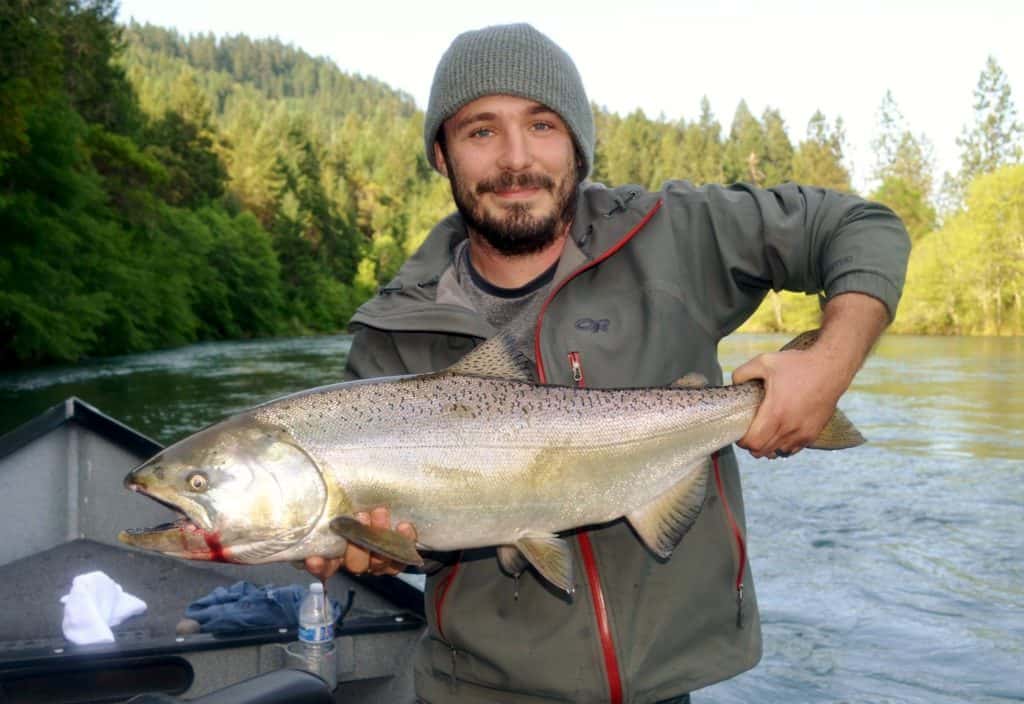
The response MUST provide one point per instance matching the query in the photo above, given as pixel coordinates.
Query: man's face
(512, 166)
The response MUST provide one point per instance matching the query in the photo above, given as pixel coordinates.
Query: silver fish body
(470, 458)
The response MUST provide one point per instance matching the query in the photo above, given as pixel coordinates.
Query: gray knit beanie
(512, 59)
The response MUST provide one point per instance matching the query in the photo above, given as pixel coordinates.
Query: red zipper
(442, 593)
(604, 631)
(737, 534)
(577, 369)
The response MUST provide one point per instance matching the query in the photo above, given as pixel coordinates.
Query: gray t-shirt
(512, 309)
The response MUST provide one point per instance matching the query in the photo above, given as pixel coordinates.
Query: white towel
(94, 604)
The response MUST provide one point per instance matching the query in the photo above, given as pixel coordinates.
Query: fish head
(245, 491)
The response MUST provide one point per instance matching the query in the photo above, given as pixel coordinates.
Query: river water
(889, 573)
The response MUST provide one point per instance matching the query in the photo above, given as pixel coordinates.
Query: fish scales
(493, 451)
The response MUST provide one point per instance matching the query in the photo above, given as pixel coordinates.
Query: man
(609, 288)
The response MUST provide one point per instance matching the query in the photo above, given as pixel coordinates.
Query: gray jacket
(647, 287)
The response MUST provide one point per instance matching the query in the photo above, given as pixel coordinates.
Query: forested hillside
(157, 190)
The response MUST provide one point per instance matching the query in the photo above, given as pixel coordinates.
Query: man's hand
(802, 387)
(357, 560)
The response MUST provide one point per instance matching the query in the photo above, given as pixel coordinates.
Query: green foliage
(156, 190)
(903, 170)
(968, 277)
(745, 148)
(777, 160)
(121, 230)
(702, 148)
(784, 311)
(907, 200)
(818, 160)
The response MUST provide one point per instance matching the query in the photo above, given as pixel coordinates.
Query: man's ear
(442, 165)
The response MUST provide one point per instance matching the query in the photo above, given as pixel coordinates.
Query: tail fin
(839, 433)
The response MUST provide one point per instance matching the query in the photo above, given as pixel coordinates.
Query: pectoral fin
(663, 522)
(549, 555)
(259, 552)
(383, 541)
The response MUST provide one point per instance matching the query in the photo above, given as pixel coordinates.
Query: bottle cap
(316, 587)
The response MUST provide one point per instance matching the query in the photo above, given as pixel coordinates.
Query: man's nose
(515, 154)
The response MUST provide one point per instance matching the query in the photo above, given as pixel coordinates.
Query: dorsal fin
(498, 358)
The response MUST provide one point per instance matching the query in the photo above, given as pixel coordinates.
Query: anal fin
(550, 556)
(663, 522)
(512, 561)
(693, 380)
(383, 541)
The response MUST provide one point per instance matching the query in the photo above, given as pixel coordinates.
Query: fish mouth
(183, 523)
(139, 536)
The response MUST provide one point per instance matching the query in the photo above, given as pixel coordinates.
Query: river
(890, 573)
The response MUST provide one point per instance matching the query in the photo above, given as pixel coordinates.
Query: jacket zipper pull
(739, 605)
(577, 369)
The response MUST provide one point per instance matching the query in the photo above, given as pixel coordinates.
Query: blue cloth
(245, 606)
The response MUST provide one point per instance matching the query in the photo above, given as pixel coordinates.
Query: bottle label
(317, 634)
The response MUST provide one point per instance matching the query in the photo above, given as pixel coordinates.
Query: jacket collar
(422, 296)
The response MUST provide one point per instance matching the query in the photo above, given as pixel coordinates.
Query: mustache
(506, 181)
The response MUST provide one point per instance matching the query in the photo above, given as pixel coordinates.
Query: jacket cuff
(869, 283)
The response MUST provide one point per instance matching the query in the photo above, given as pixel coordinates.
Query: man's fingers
(754, 369)
(323, 567)
(407, 529)
(379, 518)
(763, 434)
(357, 559)
(391, 567)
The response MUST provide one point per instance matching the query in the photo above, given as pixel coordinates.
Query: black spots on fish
(460, 410)
(159, 472)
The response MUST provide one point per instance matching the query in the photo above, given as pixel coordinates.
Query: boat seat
(277, 687)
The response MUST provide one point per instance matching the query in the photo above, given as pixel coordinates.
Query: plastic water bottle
(316, 635)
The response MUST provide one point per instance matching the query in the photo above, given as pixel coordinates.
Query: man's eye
(542, 126)
(482, 132)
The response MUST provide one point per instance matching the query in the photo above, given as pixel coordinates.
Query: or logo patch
(591, 325)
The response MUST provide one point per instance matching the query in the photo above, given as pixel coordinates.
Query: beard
(517, 230)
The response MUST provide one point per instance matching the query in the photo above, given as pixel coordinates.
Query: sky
(797, 56)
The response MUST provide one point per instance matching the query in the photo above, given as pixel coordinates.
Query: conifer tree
(818, 160)
(702, 147)
(745, 148)
(994, 139)
(903, 169)
(777, 162)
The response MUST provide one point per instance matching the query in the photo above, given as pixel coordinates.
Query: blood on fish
(217, 552)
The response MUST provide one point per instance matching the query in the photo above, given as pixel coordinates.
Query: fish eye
(198, 481)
